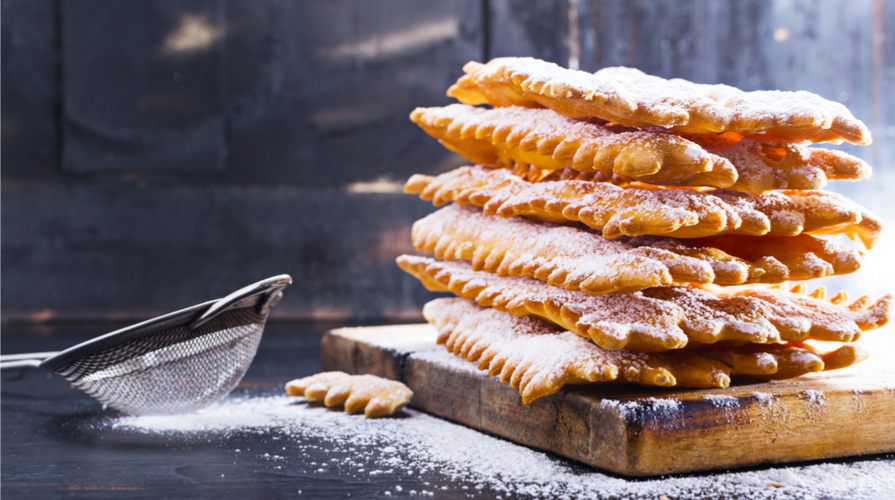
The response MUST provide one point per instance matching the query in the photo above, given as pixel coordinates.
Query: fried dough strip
(660, 318)
(578, 259)
(375, 396)
(549, 141)
(781, 361)
(634, 99)
(539, 137)
(612, 321)
(764, 164)
(825, 320)
(540, 358)
(804, 256)
(681, 213)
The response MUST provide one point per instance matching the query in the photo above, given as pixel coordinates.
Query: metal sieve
(174, 363)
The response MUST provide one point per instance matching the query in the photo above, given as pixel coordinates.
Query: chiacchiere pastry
(578, 259)
(375, 396)
(635, 211)
(660, 318)
(540, 358)
(541, 138)
(622, 227)
(634, 99)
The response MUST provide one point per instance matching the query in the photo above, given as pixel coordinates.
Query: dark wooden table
(54, 444)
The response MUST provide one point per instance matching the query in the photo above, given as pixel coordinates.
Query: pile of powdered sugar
(478, 464)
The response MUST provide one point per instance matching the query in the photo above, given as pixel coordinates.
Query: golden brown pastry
(660, 318)
(578, 259)
(540, 358)
(542, 138)
(634, 211)
(517, 135)
(375, 396)
(634, 99)
(781, 361)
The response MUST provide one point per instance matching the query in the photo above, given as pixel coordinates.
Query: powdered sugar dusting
(609, 319)
(660, 316)
(633, 211)
(722, 401)
(666, 406)
(762, 397)
(420, 449)
(814, 398)
(518, 246)
(633, 98)
(815, 403)
(543, 356)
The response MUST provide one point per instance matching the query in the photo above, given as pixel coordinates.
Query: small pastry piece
(634, 99)
(578, 259)
(541, 138)
(375, 396)
(660, 318)
(634, 211)
(540, 358)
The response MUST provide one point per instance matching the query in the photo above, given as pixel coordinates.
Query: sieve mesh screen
(174, 370)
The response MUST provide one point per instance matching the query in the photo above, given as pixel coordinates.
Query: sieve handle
(269, 287)
(27, 360)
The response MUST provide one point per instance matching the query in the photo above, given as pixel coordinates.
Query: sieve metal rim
(263, 294)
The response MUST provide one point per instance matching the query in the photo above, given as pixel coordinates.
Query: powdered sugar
(722, 401)
(540, 356)
(762, 397)
(815, 398)
(662, 317)
(631, 97)
(630, 211)
(421, 449)
(667, 406)
(569, 256)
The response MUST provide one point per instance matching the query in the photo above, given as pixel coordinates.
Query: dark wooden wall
(156, 153)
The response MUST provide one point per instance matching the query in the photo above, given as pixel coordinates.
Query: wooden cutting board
(641, 431)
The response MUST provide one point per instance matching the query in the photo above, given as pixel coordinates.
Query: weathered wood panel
(883, 78)
(319, 92)
(532, 28)
(307, 98)
(143, 85)
(30, 89)
(131, 251)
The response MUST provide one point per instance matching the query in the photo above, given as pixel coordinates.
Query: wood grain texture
(528, 28)
(136, 250)
(636, 431)
(319, 92)
(143, 87)
(30, 90)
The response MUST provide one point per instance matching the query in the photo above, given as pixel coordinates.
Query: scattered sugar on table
(418, 447)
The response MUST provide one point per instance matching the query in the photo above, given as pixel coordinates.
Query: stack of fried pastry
(622, 227)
